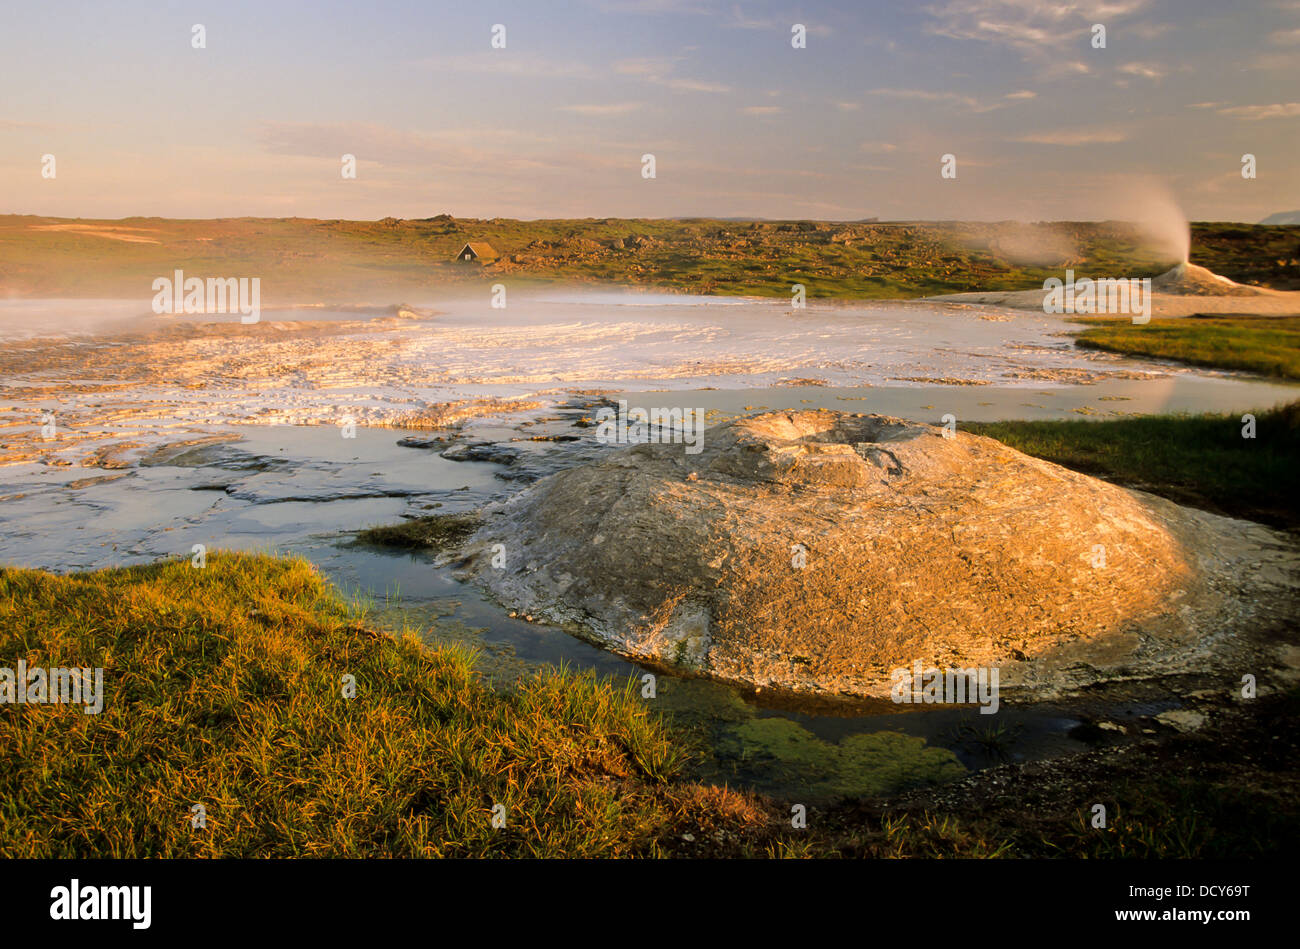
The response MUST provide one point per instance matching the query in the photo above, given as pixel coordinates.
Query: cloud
(1148, 31)
(449, 151)
(507, 63)
(613, 108)
(1285, 37)
(1022, 94)
(695, 85)
(878, 147)
(1145, 70)
(740, 21)
(1032, 26)
(928, 95)
(1071, 67)
(762, 109)
(1272, 62)
(1278, 110)
(659, 71)
(651, 6)
(1052, 37)
(644, 66)
(1075, 137)
(848, 106)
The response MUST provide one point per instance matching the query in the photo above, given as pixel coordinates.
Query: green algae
(799, 762)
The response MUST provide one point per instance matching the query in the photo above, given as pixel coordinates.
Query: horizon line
(736, 219)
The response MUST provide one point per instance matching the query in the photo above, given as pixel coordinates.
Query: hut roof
(480, 249)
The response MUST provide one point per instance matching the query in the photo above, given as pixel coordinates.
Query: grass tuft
(437, 532)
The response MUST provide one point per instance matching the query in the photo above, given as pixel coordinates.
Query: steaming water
(304, 490)
(32, 319)
(1152, 204)
(28, 319)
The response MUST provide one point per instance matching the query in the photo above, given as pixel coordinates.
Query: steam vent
(955, 551)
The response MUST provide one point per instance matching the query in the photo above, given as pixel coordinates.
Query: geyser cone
(820, 551)
(1189, 279)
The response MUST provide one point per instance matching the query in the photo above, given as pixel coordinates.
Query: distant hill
(764, 220)
(1282, 217)
(302, 260)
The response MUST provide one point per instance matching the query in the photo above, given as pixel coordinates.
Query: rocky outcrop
(819, 551)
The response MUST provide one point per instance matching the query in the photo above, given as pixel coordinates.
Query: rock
(819, 551)
(1181, 719)
(482, 451)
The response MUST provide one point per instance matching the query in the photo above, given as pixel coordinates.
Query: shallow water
(1109, 398)
(606, 339)
(609, 339)
(121, 396)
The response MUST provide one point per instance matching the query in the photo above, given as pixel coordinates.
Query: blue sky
(1043, 125)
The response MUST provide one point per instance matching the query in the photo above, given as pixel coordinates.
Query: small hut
(477, 251)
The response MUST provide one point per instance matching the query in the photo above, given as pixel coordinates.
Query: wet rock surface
(818, 551)
(527, 449)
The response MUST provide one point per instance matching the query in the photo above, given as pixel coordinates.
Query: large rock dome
(819, 551)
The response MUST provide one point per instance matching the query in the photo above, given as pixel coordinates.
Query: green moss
(437, 531)
(860, 765)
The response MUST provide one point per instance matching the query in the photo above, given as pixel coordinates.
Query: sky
(1042, 124)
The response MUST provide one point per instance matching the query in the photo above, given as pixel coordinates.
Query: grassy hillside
(301, 259)
(223, 687)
